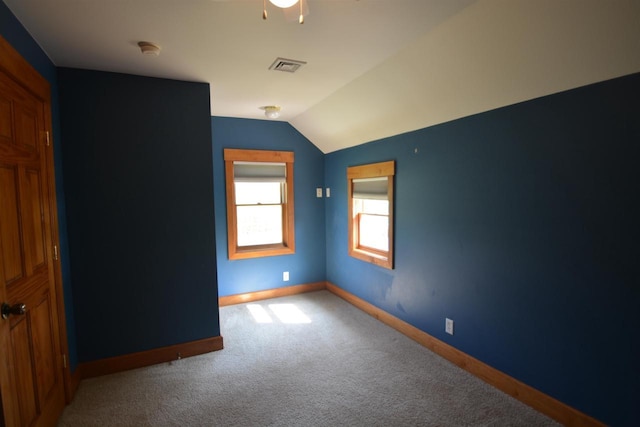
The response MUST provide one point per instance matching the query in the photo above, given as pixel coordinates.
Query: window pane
(380, 207)
(254, 193)
(374, 231)
(259, 225)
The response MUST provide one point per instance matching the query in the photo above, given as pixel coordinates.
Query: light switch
(328, 192)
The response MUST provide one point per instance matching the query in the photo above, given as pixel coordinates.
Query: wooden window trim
(374, 170)
(288, 221)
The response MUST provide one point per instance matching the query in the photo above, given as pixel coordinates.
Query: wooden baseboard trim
(541, 402)
(271, 293)
(149, 357)
(73, 383)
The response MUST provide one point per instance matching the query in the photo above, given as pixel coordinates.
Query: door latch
(16, 309)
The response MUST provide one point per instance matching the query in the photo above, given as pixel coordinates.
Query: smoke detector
(148, 48)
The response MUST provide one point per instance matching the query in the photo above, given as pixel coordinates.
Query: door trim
(23, 73)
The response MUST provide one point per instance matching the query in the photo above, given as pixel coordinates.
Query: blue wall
(307, 265)
(19, 38)
(521, 225)
(138, 180)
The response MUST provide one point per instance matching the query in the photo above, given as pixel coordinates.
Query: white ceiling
(375, 68)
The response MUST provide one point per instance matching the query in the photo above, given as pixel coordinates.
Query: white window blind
(259, 172)
(370, 188)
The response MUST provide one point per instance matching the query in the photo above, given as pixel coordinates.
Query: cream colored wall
(491, 54)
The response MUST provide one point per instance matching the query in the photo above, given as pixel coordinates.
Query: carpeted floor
(304, 360)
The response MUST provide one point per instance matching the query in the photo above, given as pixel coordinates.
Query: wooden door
(31, 382)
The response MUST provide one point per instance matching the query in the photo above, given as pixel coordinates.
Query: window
(260, 220)
(370, 190)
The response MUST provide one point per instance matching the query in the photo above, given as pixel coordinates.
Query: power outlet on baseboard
(448, 326)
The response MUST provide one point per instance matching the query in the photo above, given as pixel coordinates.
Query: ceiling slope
(374, 68)
(491, 54)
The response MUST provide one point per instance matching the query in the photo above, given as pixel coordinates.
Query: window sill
(261, 251)
(371, 257)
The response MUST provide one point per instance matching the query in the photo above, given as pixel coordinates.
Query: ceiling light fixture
(148, 48)
(271, 111)
(283, 4)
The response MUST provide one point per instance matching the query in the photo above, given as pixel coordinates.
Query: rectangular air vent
(288, 65)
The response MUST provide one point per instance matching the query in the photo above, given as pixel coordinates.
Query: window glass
(373, 223)
(259, 212)
(259, 193)
(259, 225)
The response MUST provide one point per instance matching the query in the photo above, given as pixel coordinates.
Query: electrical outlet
(285, 276)
(319, 192)
(448, 326)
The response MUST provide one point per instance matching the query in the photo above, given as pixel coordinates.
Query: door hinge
(64, 361)
(55, 252)
(48, 140)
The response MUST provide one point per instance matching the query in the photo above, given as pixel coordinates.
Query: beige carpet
(304, 360)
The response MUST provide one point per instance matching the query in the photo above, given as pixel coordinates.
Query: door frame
(21, 71)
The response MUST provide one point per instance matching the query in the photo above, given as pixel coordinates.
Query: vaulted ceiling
(374, 68)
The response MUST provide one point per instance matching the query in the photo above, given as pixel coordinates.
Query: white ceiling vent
(288, 65)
